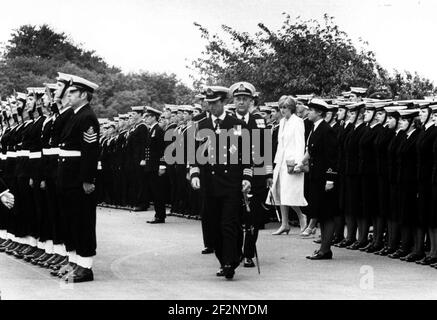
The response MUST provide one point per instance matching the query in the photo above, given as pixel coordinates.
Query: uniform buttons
(212, 157)
(63, 160)
(224, 147)
(212, 172)
(226, 171)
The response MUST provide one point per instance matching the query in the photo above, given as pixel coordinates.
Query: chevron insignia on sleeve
(90, 136)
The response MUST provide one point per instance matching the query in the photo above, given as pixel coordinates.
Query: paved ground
(141, 261)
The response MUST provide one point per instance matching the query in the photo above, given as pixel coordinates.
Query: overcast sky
(159, 35)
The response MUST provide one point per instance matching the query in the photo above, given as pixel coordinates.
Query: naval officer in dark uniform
(77, 174)
(221, 181)
(244, 95)
(154, 165)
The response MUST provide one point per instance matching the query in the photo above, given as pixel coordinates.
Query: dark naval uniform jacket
(79, 149)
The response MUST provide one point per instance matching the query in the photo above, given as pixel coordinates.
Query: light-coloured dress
(287, 188)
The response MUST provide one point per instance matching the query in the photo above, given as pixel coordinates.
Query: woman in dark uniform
(393, 232)
(353, 205)
(406, 167)
(342, 128)
(367, 171)
(381, 142)
(425, 141)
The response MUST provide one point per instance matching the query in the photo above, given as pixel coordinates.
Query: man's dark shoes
(207, 251)
(248, 263)
(412, 257)
(228, 271)
(79, 274)
(320, 256)
(220, 272)
(398, 254)
(427, 261)
(38, 253)
(12, 248)
(155, 221)
(5, 244)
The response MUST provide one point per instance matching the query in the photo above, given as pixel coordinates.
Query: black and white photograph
(235, 151)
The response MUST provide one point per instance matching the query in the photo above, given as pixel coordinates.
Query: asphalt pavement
(137, 260)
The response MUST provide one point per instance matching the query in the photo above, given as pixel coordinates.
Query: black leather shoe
(38, 253)
(49, 261)
(80, 274)
(18, 252)
(248, 263)
(12, 248)
(374, 249)
(321, 256)
(65, 270)
(345, 243)
(228, 271)
(337, 240)
(4, 245)
(43, 259)
(366, 247)
(207, 251)
(220, 272)
(427, 261)
(54, 260)
(28, 252)
(59, 265)
(413, 257)
(398, 254)
(357, 245)
(156, 221)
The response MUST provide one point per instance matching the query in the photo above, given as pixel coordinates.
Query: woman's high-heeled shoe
(308, 231)
(281, 230)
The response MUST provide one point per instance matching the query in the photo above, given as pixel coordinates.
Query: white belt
(51, 151)
(23, 153)
(69, 153)
(11, 154)
(35, 155)
(2, 157)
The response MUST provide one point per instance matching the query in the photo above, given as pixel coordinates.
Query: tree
(34, 55)
(301, 57)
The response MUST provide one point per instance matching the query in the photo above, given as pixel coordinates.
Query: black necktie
(217, 123)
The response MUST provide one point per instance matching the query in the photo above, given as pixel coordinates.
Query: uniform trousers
(40, 229)
(25, 218)
(156, 193)
(253, 221)
(79, 214)
(54, 218)
(171, 170)
(223, 221)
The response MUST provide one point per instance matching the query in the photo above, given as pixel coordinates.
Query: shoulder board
(201, 119)
(260, 123)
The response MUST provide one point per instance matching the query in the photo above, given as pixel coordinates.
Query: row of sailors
(123, 140)
(49, 149)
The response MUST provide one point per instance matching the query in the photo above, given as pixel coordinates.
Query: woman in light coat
(287, 188)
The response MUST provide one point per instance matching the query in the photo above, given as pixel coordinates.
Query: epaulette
(260, 123)
(198, 121)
